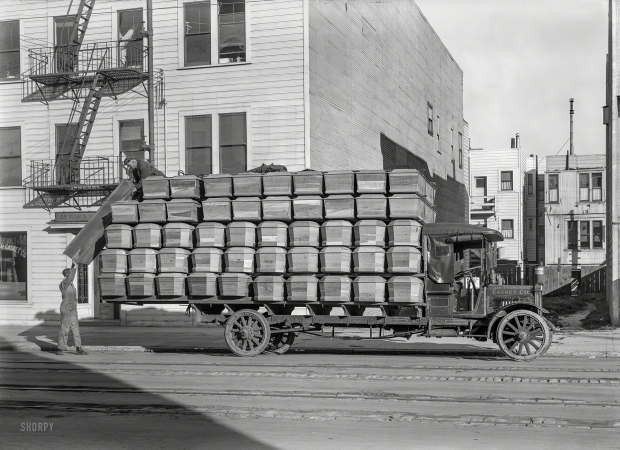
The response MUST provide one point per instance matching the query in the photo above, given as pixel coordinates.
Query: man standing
(68, 313)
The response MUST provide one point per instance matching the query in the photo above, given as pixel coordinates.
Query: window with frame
(584, 234)
(584, 187)
(197, 22)
(431, 131)
(508, 228)
(131, 133)
(506, 180)
(530, 225)
(460, 150)
(14, 266)
(530, 184)
(65, 54)
(573, 234)
(554, 196)
(231, 21)
(67, 172)
(597, 187)
(9, 50)
(198, 145)
(597, 234)
(130, 44)
(541, 234)
(233, 143)
(10, 157)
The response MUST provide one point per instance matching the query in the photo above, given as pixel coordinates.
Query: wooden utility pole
(150, 89)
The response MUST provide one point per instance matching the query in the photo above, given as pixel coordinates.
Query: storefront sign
(72, 217)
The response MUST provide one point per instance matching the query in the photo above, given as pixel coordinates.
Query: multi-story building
(304, 83)
(497, 178)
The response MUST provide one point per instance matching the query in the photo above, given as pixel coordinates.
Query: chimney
(572, 113)
(517, 141)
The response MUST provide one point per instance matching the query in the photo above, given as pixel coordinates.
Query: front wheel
(523, 335)
(247, 333)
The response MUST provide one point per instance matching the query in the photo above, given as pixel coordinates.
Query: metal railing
(482, 203)
(91, 171)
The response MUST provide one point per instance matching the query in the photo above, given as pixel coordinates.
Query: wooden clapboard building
(314, 84)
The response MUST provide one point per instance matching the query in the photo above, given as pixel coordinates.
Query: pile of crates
(308, 236)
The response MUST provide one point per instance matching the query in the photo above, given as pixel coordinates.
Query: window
(530, 184)
(460, 150)
(584, 234)
(82, 283)
(530, 225)
(9, 50)
(540, 184)
(597, 234)
(573, 234)
(10, 157)
(130, 46)
(553, 189)
(231, 19)
(430, 120)
(65, 54)
(14, 266)
(584, 187)
(597, 186)
(508, 229)
(132, 138)
(233, 143)
(197, 33)
(506, 181)
(541, 234)
(66, 172)
(198, 150)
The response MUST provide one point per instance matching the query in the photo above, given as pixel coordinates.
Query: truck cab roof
(461, 232)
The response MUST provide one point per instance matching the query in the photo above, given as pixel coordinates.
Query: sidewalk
(111, 338)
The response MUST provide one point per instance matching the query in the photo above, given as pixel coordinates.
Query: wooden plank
(90, 240)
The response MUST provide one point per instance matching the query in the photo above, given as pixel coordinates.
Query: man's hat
(126, 161)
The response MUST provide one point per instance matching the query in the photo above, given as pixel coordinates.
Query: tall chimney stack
(572, 113)
(517, 141)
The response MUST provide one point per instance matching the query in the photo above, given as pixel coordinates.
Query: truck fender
(509, 308)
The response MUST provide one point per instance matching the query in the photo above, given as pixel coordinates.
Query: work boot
(60, 352)
(80, 351)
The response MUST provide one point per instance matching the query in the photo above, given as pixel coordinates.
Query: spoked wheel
(280, 343)
(523, 335)
(247, 333)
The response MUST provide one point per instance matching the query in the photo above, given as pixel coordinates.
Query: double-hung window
(507, 181)
(597, 186)
(554, 196)
(584, 187)
(584, 234)
(9, 50)
(460, 150)
(197, 24)
(430, 120)
(530, 184)
(198, 145)
(132, 138)
(130, 46)
(597, 234)
(573, 234)
(231, 22)
(10, 157)
(508, 228)
(233, 143)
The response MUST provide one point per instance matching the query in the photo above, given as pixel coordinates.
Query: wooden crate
(247, 208)
(341, 206)
(156, 187)
(303, 260)
(404, 232)
(371, 206)
(241, 234)
(217, 208)
(178, 235)
(272, 234)
(113, 261)
(171, 284)
(371, 182)
(369, 260)
(308, 182)
(369, 232)
(405, 289)
(125, 211)
(234, 284)
(207, 260)
(239, 260)
(118, 236)
(407, 206)
(277, 183)
(271, 260)
(303, 234)
(407, 181)
(173, 260)
(142, 260)
(247, 184)
(403, 259)
(183, 210)
(268, 288)
(339, 182)
(308, 207)
(147, 235)
(202, 284)
(302, 288)
(211, 234)
(335, 260)
(153, 211)
(112, 284)
(218, 185)
(277, 208)
(369, 289)
(429, 214)
(335, 289)
(141, 284)
(186, 186)
(336, 233)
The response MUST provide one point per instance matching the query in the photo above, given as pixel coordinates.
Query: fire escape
(84, 73)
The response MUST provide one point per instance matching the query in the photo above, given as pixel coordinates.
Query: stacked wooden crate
(308, 236)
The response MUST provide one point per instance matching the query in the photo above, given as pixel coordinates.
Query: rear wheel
(523, 335)
(247, 333)
(280, 343)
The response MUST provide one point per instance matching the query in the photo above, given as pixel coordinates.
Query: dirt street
(306, 401)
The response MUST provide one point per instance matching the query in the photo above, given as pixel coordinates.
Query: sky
(522, 61)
